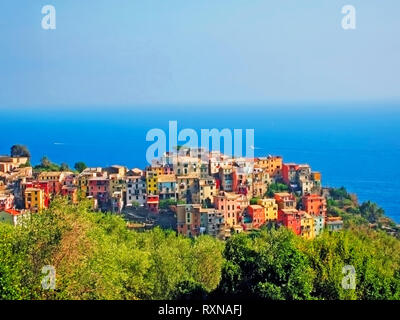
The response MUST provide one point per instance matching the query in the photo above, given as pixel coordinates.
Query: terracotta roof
(255, 206)
(12, 212)
(167, 178)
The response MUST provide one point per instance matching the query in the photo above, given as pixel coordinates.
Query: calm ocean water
(357, 147)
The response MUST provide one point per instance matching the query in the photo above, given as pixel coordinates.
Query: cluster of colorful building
(211, 193)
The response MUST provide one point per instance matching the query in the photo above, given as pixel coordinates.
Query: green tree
(190, 290)
(373, 255)
(339, 193)
(266, 265)
(371, 211)
(80, 166)
(135, 204)
(20, 151)
(254, 200)
(45, 162)
(64, 167)
(164, 204)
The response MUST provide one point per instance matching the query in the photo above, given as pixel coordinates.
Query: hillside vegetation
(97, 257)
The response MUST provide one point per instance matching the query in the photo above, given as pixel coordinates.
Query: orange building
(316, 176)
(256, 212)
(314, 204)
(272, 165)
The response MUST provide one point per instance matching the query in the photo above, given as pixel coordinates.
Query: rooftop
(12, 212)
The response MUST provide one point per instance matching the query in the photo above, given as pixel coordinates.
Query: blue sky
(201, 52)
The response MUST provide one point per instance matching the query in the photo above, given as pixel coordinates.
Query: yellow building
(188, 166)
(151, 182)
(158, 170)
(83, 184)
(270, 209)
(208, 189)
(54, 176)
(307, 226)
(188, 188)
(34, 199)
(117, 184)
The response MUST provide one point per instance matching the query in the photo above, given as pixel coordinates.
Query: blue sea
(353, 145)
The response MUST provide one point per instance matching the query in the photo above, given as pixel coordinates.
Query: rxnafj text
(205, 309)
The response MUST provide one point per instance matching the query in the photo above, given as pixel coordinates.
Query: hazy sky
(131, 52)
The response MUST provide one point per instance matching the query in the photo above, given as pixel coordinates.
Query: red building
(291, 219)
(257, 214)
(152, 202)
(289, 172)
(55, 180)
(314, 204)
(71, 192)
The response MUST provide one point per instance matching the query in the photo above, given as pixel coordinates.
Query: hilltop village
(207, 192)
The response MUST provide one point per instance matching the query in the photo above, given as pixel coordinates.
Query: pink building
(168, 169)
(240, 181)
(6, 201)
(230, 205)
(99, 189)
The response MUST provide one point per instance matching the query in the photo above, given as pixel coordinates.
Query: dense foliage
(165, 204)
(47, 165)
(97, 257)
(276, 187)
(345, 205)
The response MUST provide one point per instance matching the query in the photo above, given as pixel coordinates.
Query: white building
(136, 190)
